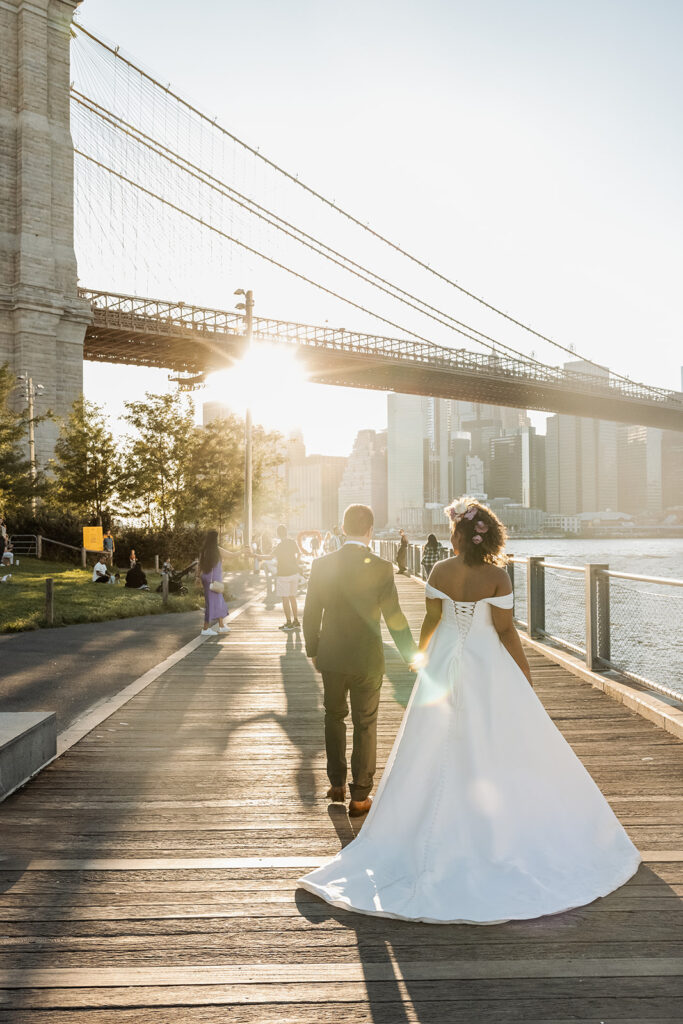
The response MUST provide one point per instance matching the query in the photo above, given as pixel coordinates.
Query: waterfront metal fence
(614, 621)
(565, 617)
(646, 636)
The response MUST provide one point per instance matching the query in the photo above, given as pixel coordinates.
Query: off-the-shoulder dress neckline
(494, 597)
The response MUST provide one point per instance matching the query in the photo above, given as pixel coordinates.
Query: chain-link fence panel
(643, 639)
(565, 607)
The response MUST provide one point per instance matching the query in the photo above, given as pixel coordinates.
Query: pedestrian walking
(402, 555)
(288, 558)
(431, 554)
(211, 573)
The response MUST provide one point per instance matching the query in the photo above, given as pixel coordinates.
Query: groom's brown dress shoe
(357, 808)
(337, 794)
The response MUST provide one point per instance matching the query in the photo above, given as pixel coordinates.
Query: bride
(484, 813)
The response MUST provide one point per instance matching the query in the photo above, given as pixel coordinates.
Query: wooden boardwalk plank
(150, 873)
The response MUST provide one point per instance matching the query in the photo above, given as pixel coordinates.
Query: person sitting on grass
(8, 553)
(136, 578)
(100, 573)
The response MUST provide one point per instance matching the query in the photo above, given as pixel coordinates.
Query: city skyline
(585, 474)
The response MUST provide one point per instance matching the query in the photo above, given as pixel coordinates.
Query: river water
(646, 619)
(658, 557)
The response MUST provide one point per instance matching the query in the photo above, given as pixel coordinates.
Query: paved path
(150, 873)
(70, 668)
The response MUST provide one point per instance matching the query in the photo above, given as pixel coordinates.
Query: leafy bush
(181, 545)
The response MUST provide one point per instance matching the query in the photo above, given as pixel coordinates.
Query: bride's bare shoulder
(501, 577)
(442, 568)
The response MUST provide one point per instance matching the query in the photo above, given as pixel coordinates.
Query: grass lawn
(78, 599)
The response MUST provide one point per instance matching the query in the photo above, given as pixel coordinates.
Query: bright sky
(532, 151)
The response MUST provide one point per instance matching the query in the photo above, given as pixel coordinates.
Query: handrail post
(510, 566)
(164, 588)
(535, 599)
(156, 563)
(597, 616)
(39, 546)
(49, 601)
(84, 558)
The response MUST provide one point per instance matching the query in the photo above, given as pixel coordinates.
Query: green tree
(216, 475)
(86, 463)
(178, 474)
(215, 496)
(16, 484)
(270, 498)
(158, 458)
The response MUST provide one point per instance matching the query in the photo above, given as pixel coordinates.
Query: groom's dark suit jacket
(348, 590)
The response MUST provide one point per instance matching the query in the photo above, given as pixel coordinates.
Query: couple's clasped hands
(418, 661)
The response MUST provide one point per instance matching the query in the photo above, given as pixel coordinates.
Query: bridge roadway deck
(113, 909)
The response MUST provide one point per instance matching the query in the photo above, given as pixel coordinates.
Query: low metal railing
(614, 621)
(24, 544)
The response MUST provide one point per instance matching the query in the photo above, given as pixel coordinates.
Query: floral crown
(464, 509)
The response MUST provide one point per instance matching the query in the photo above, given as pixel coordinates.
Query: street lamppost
(248, 307)
(30, 393)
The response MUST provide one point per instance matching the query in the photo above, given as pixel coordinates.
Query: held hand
(417, 662)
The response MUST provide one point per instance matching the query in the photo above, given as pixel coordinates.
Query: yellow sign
(92, 538)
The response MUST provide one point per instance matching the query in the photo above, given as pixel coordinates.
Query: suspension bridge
(197, 341)
(166, 202)
(179, 172)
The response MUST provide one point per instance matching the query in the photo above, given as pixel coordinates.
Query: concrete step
(28, 740)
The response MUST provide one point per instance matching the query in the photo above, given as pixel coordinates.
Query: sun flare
(270, 381)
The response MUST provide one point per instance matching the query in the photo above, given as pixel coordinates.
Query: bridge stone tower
(42, 320)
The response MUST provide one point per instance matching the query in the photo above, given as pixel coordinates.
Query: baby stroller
(175, 579)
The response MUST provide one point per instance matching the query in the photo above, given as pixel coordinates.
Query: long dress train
(484, 813)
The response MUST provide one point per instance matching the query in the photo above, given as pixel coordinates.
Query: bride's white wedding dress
(484, 813)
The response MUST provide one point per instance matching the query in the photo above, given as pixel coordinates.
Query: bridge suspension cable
(296, 233)
(330, 203)
(253, 251)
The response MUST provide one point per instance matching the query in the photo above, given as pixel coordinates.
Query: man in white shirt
(100, 573)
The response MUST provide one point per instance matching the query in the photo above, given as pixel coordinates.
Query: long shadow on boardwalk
(604, 930)
(302, 692)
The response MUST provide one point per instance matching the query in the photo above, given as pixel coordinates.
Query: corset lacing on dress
(463, 614)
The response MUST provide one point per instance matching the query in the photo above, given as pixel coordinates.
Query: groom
(347, 591)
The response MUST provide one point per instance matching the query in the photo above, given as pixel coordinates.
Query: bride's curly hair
(479, 534)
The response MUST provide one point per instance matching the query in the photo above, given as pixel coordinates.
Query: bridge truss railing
(154, 316)
(611, 620)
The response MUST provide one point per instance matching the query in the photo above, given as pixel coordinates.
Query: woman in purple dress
(211, 571)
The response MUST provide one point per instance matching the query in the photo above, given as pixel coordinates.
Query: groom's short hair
(358, 520)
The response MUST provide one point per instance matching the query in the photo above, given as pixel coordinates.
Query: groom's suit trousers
(363, 693)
